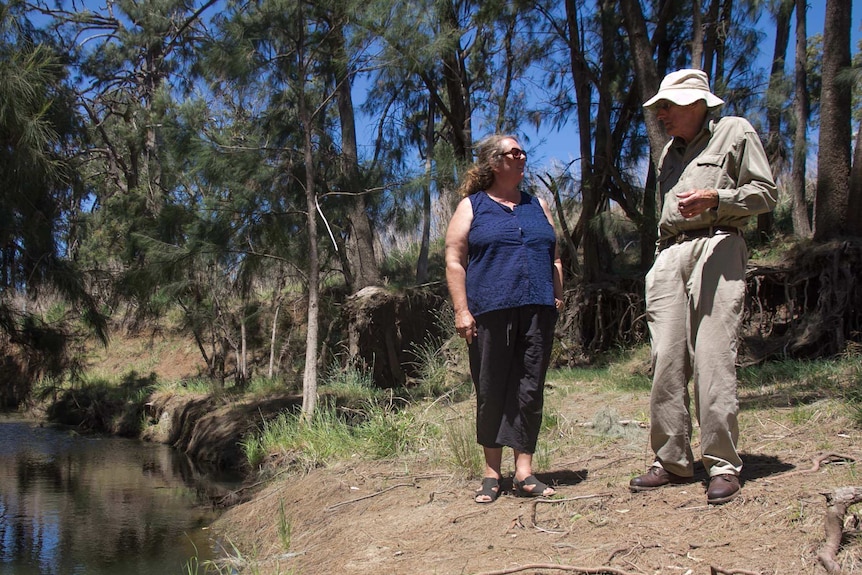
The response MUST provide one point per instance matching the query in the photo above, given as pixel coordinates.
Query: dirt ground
(416, 515)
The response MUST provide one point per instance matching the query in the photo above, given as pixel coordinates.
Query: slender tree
(776, 98)
(361, 269)
(833, 172)
(801, 221)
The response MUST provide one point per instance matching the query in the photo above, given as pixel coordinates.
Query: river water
(83, 505)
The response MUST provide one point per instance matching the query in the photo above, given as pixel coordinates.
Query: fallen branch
(364, 497)
(565, 500)
(837, 503)
(629, 550)
(570, 568)
(467, 516)
(719, 571)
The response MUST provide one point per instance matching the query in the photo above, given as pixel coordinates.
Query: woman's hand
(465, 325)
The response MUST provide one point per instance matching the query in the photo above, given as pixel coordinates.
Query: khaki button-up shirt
(728, 156)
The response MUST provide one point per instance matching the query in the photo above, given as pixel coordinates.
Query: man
(712, 176)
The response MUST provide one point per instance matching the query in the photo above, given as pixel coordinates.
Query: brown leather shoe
(722, 488)
(654, 478)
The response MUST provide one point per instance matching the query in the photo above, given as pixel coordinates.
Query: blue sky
(547, 146)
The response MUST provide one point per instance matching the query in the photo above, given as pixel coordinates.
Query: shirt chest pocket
(709, 171)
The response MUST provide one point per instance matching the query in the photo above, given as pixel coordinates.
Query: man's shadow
(758, 466)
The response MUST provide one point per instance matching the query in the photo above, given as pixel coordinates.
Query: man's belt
(698, 233)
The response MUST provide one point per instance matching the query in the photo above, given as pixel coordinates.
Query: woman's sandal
(537, 487)
(488, 490)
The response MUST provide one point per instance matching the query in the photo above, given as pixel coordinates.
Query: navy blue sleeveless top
(510, 257)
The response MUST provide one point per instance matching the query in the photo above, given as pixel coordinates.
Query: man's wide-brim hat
(685, 87)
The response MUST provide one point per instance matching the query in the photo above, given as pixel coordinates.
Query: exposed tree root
(837, 503)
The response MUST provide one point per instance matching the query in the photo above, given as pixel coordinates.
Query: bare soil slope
(416, 515)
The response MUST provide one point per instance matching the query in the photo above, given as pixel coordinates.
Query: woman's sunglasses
(515, 153)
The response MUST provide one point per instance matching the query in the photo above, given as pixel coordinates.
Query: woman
(505, 279)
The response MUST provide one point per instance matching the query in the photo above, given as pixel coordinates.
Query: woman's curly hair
(480, 176)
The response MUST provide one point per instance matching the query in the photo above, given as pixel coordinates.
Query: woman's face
(512, 159)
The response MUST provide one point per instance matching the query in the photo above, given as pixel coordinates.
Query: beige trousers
(694, 302)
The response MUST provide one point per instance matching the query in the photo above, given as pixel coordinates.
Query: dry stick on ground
(570, 568)
(629, 550)
(552, 501)
(820, 459)
(331, 507)
(713, 570)
(837, 503)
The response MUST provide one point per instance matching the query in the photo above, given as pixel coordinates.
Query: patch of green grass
(285, 526)
(266, 385)
(462, 451)
(190, 386)
(314, 443)
(794, 382)
(386, 432)
(351, 384)
(375, 432)
(233, 562)
(621, 370)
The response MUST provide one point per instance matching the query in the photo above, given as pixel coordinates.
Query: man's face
(681, 121)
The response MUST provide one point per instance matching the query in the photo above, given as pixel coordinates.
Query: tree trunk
(272, 339)
(775, 100)
(724, 22)
(647, 74)
(596, 256)
(583, 96)
(422, 262)
(457, 88)
(801, 222)
(854, 201)
(697, 41)
(360, 238)
(648, 81)
(242, 364)
(309, 378)
(570, 253)
(711, 37)
(833, 161)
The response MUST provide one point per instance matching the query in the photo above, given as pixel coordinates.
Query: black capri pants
(509, 360)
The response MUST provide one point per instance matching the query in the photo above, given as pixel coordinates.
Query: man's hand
(694, 202)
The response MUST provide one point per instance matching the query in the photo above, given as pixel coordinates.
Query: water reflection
(82, 505)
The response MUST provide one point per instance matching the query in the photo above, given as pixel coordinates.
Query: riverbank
(414, 514)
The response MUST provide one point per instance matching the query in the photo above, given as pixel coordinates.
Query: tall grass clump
(233, 563)
(433, 361)
(285, 526)
(853, 389)
(431, 371)
(375, 432)
(387, 433)
(306, 444)
(463, 453)
(352, 384)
